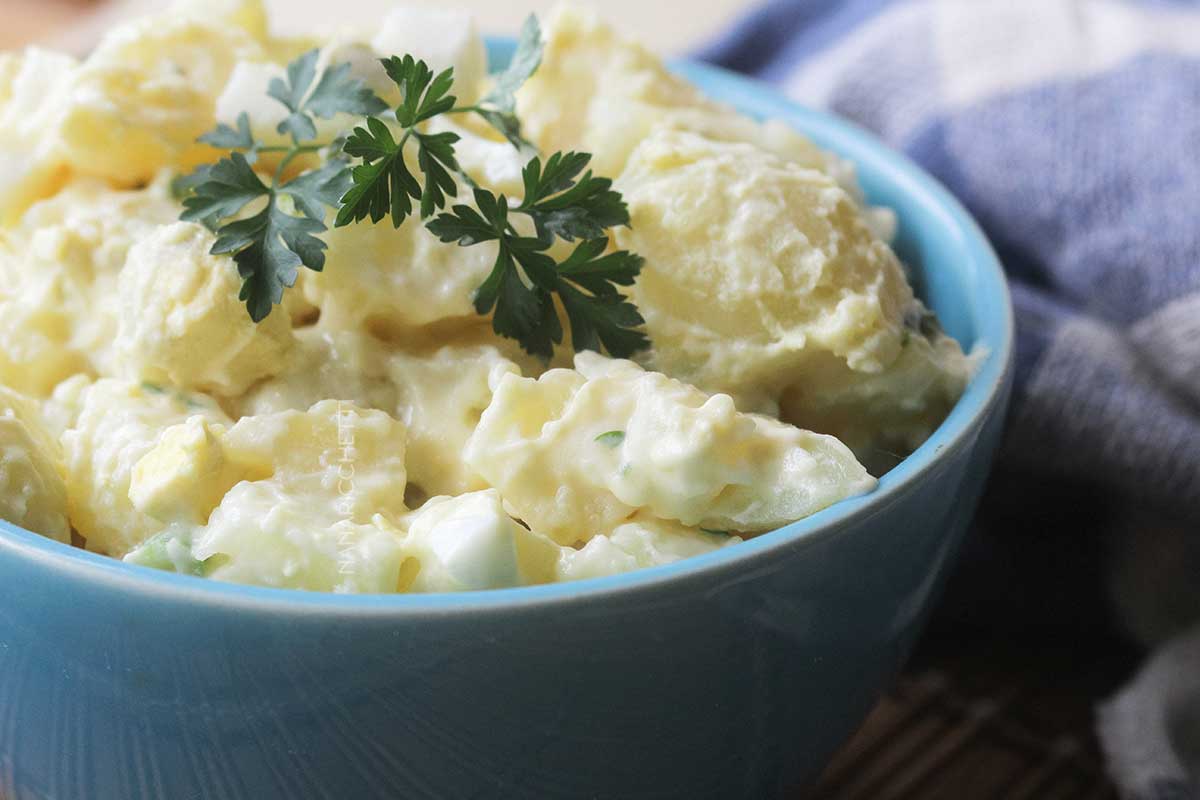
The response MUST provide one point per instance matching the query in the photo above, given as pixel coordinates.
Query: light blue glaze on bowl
(729, 675)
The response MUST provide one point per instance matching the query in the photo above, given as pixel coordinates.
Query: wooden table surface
(38, 20)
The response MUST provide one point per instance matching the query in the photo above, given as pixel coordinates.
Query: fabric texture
(1071, 130)
(1151, 730)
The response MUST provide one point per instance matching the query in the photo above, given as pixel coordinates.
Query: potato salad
(353, 313)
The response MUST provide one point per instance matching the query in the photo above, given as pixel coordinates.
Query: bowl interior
(954, 270)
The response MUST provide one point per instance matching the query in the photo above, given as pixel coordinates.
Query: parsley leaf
(435, 157)
(569, 209)
(498, 107)
(182, 186)
(315, 190)
(339, 92)
(290, 92)
(509, 127)
(557, 175)
(223, 137)
(599, 314)
(268, 248)
(336, 92)
(524, 280)
(422, 95)
(522, 312)
(526, 315)
(524, 62)
(221, 190)
(382, 184)
(270, 245)
(599, 273)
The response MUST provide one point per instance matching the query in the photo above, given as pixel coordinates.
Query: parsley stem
(282, 166)
(301, 148)
(292, 153)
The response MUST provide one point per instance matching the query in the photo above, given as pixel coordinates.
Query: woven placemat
(980, 719)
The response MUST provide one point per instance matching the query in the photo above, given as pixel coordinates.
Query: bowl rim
(991, 314)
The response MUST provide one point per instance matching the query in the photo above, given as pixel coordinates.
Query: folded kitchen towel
(1071, 130)
(1151, 730)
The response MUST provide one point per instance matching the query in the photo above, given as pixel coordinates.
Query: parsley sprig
(525, 278)
(383, 183)
(270, 245)
(391, 161)
(336, 92)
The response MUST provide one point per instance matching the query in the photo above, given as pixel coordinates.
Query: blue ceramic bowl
(729, 675)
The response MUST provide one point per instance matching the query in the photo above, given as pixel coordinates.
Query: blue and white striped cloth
(1071, 130)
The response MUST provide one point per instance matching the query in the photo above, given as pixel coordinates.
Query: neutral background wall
(669, 27)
